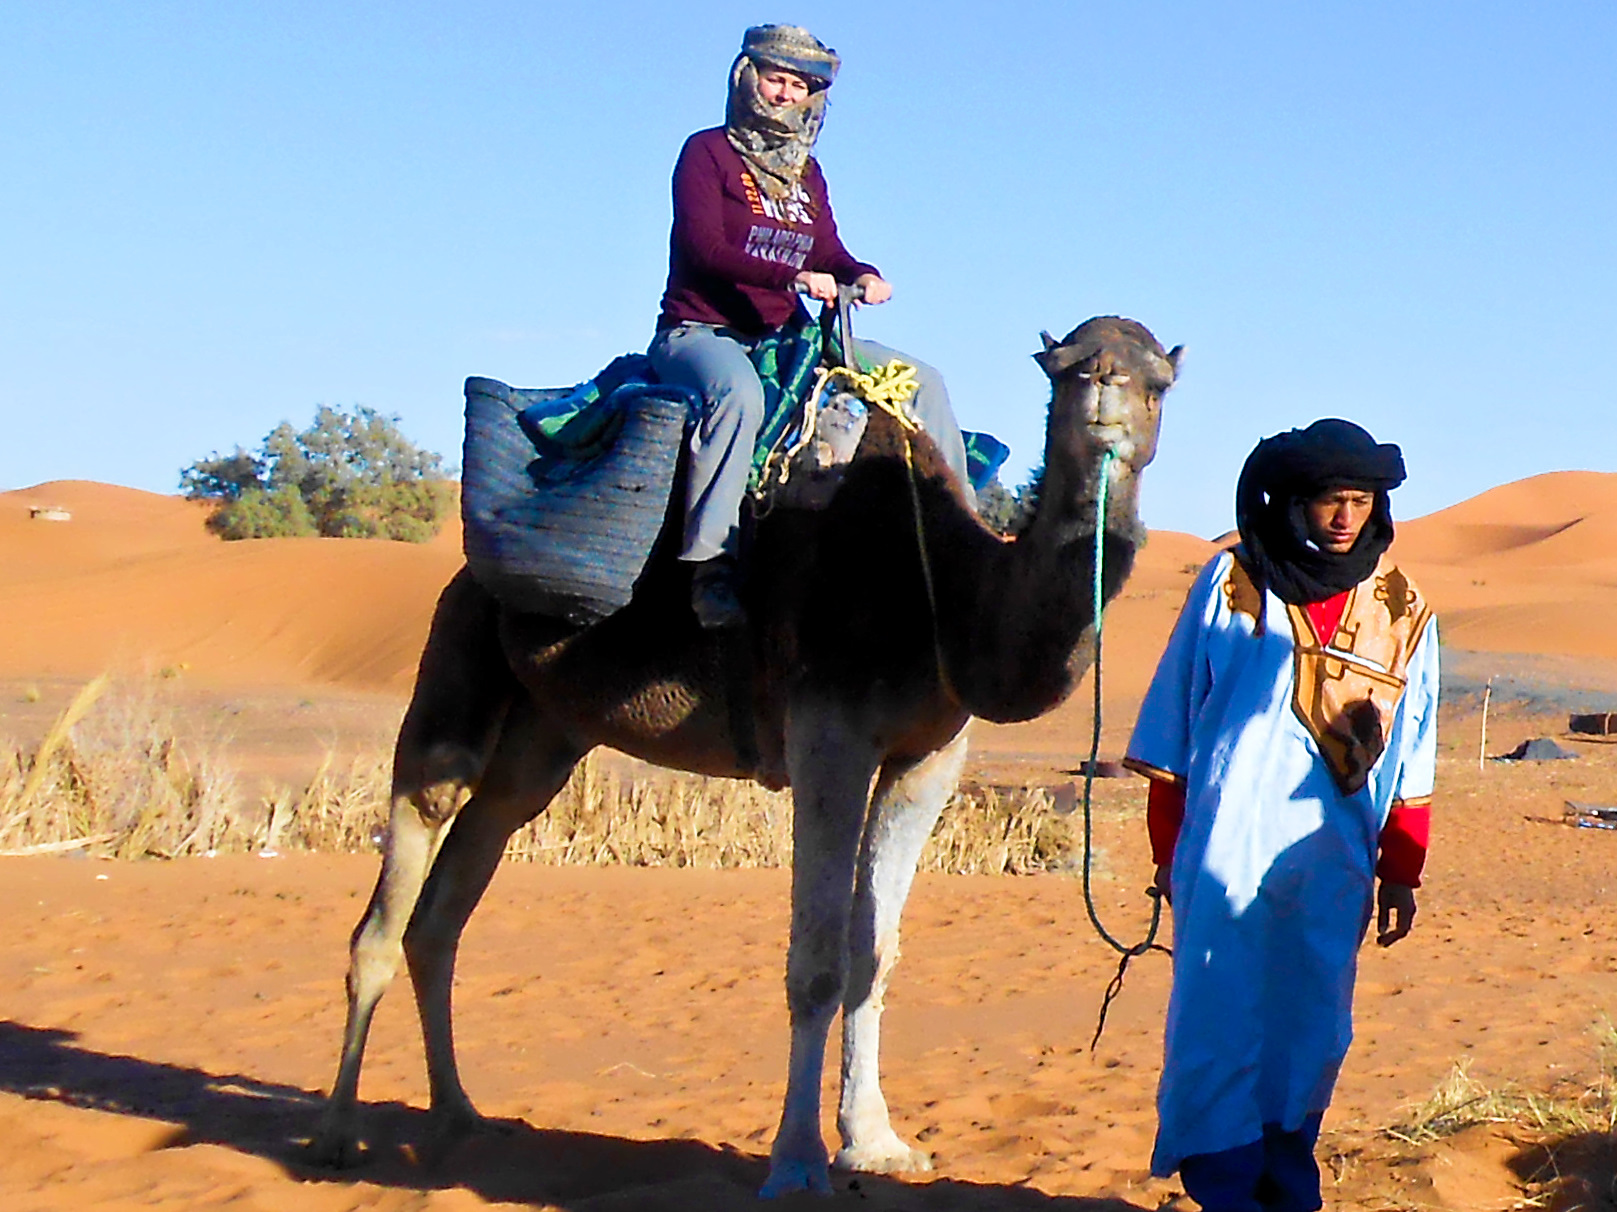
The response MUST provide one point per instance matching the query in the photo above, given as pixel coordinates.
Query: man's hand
(1395, 915)
(1163, 882)
(877, 290)
(818, 286)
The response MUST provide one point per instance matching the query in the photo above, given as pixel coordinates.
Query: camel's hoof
(886, 1156)
(788, 1176)
(333, 1149)
(449, 1128)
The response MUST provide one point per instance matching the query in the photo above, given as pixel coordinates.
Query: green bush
(349, 475)
(258, 514)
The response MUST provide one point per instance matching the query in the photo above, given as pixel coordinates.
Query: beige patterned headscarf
(776, 140)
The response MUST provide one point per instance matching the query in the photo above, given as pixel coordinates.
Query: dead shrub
(112, 776)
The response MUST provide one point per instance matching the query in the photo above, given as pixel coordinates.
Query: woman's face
(778, 86)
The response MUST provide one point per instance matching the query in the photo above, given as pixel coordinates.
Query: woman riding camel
(752, 227)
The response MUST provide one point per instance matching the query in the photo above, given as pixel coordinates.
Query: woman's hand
(818, 286)
(876, 289)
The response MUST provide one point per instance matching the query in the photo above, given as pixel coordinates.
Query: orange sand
(167, 1028)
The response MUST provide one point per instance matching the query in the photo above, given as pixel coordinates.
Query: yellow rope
(888, 388)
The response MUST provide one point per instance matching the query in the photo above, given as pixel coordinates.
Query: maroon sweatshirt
(734, 251)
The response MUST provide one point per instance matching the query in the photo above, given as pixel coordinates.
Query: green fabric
(785, 360)
(587, 420)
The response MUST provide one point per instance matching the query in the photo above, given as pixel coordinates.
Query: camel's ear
(1057, 359)
(1049, 341)
(1176, 359)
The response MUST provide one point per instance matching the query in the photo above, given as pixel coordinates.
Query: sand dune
(135, 581)
(1528, 567)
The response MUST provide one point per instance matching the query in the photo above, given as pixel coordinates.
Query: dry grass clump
(999, 831)
(1564, 1158)
(340, 810)
(113, 777)
(1460, 1101)
(667, 820)
(671, 820)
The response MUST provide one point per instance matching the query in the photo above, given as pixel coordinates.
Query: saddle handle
(847, 296)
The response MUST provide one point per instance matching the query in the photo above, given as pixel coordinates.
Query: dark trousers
(1275, 1174)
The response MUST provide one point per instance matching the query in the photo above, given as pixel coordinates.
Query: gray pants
(700, 357)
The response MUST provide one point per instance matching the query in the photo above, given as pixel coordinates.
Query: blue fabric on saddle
(565, 490)
(985, 455)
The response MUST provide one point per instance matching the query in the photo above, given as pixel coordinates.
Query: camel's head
(1108, 377)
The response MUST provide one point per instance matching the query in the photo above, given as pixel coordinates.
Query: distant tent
(1539, 749)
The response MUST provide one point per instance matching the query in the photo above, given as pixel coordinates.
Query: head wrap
(776, 140)
(1281, 475)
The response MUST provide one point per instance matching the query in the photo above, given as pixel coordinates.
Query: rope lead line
(1149, 943)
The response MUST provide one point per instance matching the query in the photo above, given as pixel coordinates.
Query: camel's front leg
(831, 764)
(905, 807)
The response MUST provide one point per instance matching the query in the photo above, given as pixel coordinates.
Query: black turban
(1281, 475)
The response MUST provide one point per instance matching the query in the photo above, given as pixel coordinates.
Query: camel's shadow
(579, 1171)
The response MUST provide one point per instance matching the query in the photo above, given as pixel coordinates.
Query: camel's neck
(1019, 633)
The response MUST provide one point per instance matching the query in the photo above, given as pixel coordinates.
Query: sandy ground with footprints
(167, 1028)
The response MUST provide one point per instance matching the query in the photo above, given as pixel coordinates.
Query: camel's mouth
(1115, 438)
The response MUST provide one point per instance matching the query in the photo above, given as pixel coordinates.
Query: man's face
(1336, 516)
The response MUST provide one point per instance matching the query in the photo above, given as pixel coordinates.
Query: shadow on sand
(1578, 1171)
(578, 1171)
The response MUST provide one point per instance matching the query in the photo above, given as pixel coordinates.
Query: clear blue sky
(215, 216)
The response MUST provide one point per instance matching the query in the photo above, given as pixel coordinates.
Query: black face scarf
(1281, 476)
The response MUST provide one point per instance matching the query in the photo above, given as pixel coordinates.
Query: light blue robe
(1273, 875)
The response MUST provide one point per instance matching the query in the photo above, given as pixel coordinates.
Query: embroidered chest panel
(1346, 687)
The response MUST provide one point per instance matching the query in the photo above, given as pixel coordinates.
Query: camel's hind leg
(460, 698)
(904, 809)
(530, 766)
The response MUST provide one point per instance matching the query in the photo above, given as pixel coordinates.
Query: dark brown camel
(857, 677)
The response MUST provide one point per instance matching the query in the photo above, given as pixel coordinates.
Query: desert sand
(167, 1029)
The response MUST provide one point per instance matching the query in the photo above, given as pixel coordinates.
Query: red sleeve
(1164, 813)
(830, 257)
(1404, 840)
(699, 223)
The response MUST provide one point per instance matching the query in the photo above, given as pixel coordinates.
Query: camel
(878, 626)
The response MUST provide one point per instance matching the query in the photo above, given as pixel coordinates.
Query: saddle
(565, 490)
